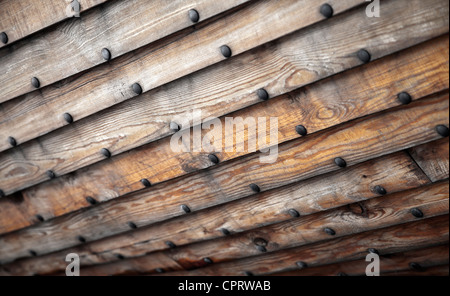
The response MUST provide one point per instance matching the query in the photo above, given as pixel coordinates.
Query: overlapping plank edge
(400, 238)
(355, 141)
(27, 165)
(433, 159)
(396, 172)
(119, 26)
(420, 261)
(19, 19)
(308, 106)
(373, 214)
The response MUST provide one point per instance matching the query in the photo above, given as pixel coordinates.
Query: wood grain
(396, 172)
(401, 238)
(442, 270)
(19, 19)
(121, 26)
(433, 159)
(356, 141)
(308, 106)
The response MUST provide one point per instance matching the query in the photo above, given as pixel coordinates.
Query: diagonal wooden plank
(18, 19)
(433, 159)
(378, 213)
(395, 172)
(356, 141)
(441, 270)
(400, 238)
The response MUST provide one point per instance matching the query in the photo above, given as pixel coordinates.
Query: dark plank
(433, 159)
(442, 270)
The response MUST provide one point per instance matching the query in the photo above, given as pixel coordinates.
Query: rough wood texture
(18, 19)
(356, 141)
(400, 238)
(395, 172)
(27, 165)
(158, 162)
(442, 270)
(121, 26)
(398, 262)
(433, 159)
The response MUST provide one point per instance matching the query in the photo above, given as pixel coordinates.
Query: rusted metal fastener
(3, 37)
(12, 141)
(262, 94)
(404, 98)
(364, 56)
(417, 213)
(68, 118)
(35, 82)
(380, 190)
(106, 153)
(106, 54)
(146, 183)
(213, 158)
(255, 188)
(186, 209)
(329, 231)
(194, 16)
(226, 51)
(132, 225)
(326, 10)
(301, 130)
(442, 130)
(294, 213)
(137, 89)
(340, 162)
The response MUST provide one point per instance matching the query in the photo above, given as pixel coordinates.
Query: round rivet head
(342, 274)
(35, 82)
(417, 213)
(120, 256)
(159, 270)
(68, 118)
(301, 264)
(51, 174)
(225, 231)
(32, 253)
(301, 130)
(171, 244)
(255, 188)
(91, 200)
(404, 98)
(294, 213)
(132, 225)
(137, 89)
(329, 231)
(226, 51)
(106, 54)
(2, 193)
(262, 249)
(340, 162)
(364, 56)
(185, 209)
(259, 241)
(146, 183)
(3, 37)
(442, 130)
(194, 16)
(416, 266)
(213, 158)
(12, 141)
(207, 260)
(373, 251)
(326, 10)
(380, 190)
(105, 152)
(248, 273)
(40, 218)
(262, 94)
(174, 127)
(81, 239)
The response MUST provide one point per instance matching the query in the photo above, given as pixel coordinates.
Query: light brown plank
(400, 238)
(356, 141)
(433, 159)
(19, 19)
(395, 172)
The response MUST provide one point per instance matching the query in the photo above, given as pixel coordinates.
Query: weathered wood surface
(356, 141)
(442, 270)
(397, 262)
(433, 159)
(308, 106)
(27, 165)
(121, 26)
(400, 238)
(19, 19)
(395, 172)
(377, 213)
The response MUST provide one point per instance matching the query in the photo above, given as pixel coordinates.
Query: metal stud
(35, 82)
(225, 231)
(120, 256)
(417, 213)
(208, 260)
(68, 118)
(373, 251)
(340, 162)
(3, 37)
(137, 89)
(174, 127)
(416, 266)
(106, 54)
(248, 273)
(170, 244)
(12, 141)
(442, 130)
(51, 174)
(2, 193)
(226, 51)
(186, 209)
(301, 130)
(106, 153)
(213, 158)
(81, 239)
(159, 270)
(132, 225)
(262, 94)
(294, 213)
(194, 16)
(329, 231)
(380, 190)
(404, 98)
(40, 218)
(301, 264)
(255, 188)
(146, 183)
(91, 200)
(364, 56)
(342, 274)
(326, 10)
(32, 253)
(262, 249)
(259, 241)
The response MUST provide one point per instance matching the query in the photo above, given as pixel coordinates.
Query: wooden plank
(396, 172)
(397, 262)
(159, 163)
(356, 141)
(18, 19)
(27, 165)
(442, 270)
(379, 212)
(120, 26)
(401, 238)
(433, 159)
